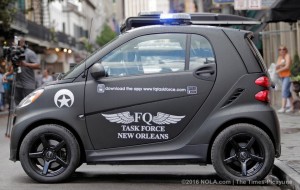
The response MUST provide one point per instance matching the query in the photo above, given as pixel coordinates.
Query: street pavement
(109, 177)
(290, 140)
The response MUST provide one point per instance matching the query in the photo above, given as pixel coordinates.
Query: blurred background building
(59, 31)
(133, 7)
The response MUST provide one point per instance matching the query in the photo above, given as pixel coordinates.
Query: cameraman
(25, 80)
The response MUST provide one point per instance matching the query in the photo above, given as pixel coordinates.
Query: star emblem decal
(64, 101)
(64, 98)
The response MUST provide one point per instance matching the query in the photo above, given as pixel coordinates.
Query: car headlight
(31, 98)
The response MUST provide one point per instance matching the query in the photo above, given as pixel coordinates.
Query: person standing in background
(1, 91)
(284, 63)
(7, 90)
(25, 80)
(7, 86)
(46, 77)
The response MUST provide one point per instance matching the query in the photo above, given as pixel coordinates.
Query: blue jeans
(286, 85)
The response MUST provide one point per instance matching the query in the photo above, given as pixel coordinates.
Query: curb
(286, 173)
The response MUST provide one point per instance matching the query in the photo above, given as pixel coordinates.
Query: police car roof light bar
(175, 16)
(175, 19)
(195, 19)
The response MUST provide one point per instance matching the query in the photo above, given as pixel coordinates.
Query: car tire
(49, 154)
(242, 153)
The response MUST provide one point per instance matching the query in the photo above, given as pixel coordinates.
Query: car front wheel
(242, 152)
(49, 153)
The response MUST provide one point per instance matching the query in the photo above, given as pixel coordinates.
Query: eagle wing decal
(163, 118)
(124, 118)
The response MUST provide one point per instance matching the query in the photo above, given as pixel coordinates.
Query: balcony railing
(64, 38)
(40, 32)
(19, 23)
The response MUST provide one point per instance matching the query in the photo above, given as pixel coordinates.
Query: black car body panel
(202, 114)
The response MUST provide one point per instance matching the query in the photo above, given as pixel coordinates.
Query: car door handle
(206, 72)
(209, 71)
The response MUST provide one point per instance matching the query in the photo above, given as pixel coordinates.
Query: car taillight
(263, 81)
(262, 96)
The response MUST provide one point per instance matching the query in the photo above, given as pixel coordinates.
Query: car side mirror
(97, 71)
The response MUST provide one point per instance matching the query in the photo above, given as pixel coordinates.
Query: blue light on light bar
(177, 16)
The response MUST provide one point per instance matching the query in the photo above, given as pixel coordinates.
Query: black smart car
(172, 92)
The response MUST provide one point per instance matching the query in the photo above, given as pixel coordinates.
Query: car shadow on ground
(96, 179)
(211, 179)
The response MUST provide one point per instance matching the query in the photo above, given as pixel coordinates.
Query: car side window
(201, 52)
(157, 53)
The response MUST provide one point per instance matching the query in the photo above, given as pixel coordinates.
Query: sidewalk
(290, 140)
(287, 166)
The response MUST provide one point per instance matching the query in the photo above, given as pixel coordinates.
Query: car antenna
(89, 38)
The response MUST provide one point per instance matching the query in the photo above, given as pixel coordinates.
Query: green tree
(7, 10)
(295, 69)
(105, 36)
(88, 46)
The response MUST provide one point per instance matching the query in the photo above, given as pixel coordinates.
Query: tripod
(11, 112)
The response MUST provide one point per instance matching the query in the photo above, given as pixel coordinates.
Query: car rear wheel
(242, 152)
(49, 153)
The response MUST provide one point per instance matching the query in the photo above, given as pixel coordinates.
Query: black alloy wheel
(243, 155)
(49, 153)
(242, 152)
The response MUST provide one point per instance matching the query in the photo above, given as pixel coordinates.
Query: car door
(154, 86)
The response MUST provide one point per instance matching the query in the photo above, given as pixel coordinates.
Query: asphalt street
(108, 177)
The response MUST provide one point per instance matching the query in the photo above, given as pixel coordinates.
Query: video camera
(14, 53)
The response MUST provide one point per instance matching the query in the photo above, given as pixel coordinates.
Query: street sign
(240, 4)
(252, 4)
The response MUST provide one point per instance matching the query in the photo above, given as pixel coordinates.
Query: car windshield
(80, 67)
(75, 71)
